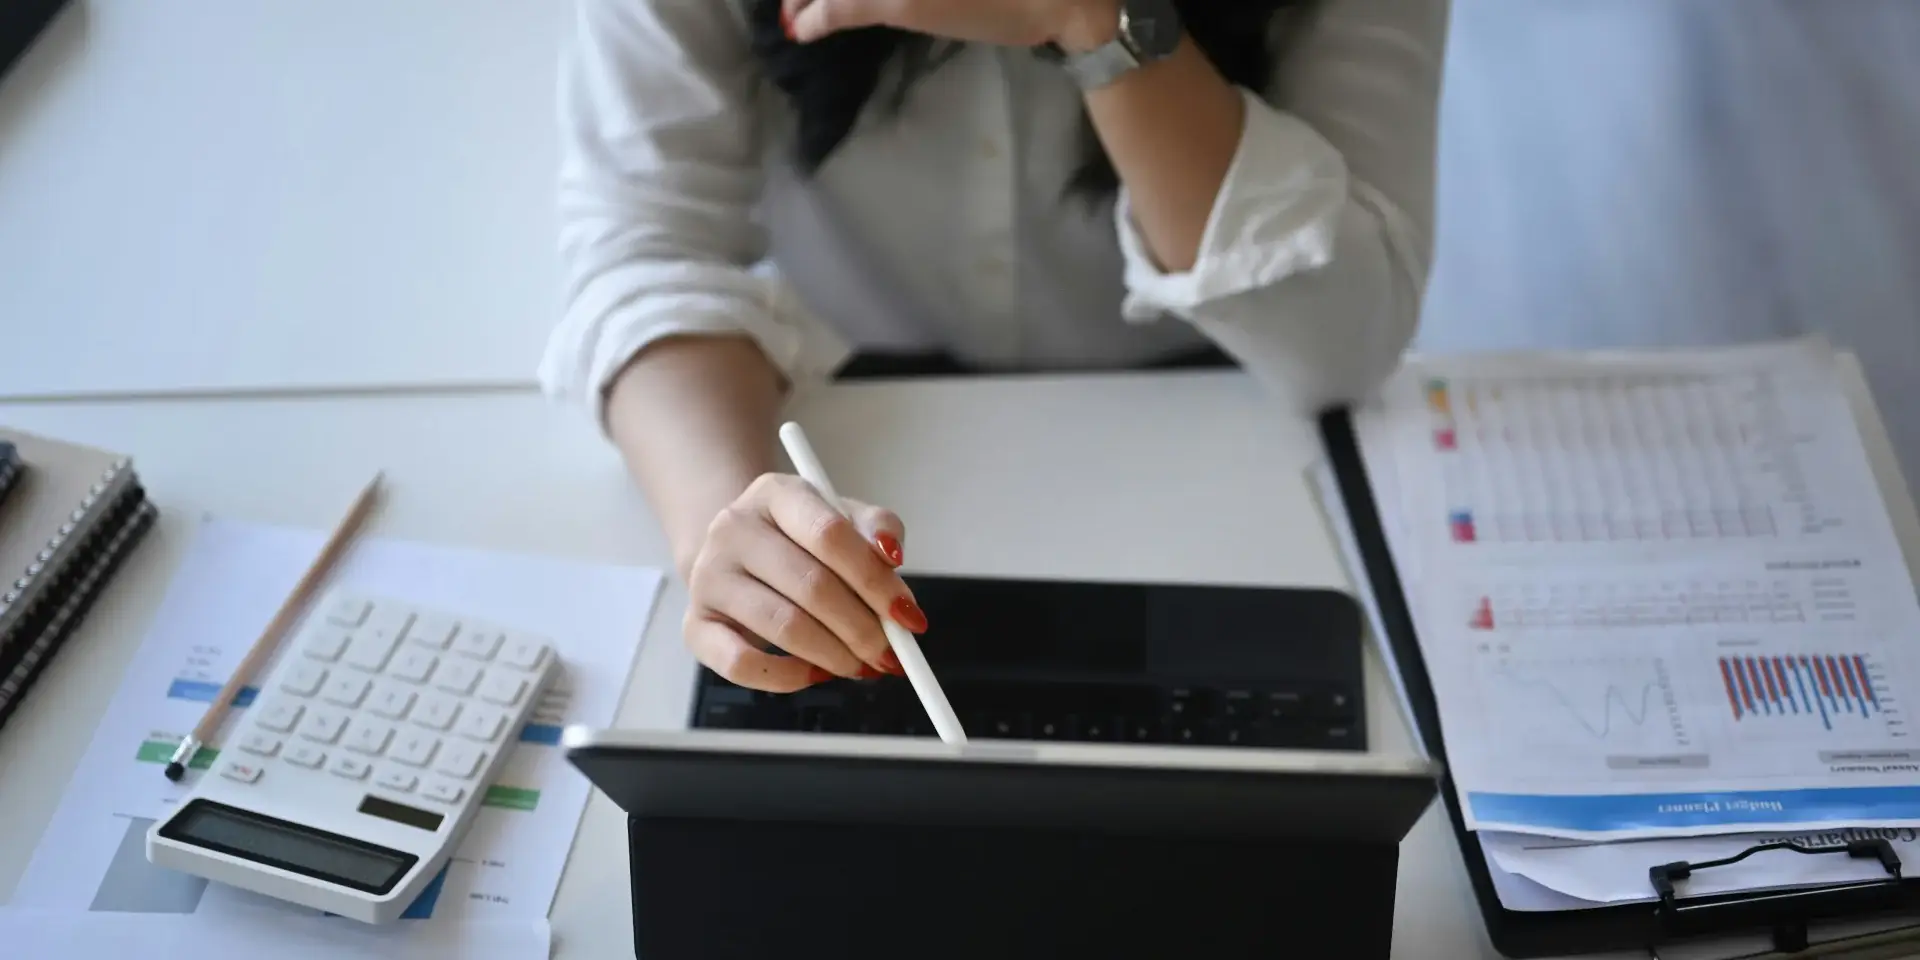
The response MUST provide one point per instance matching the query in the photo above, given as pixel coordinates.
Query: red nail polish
(786, 22)
(907, 614)
(891, 663)
(817, 675)
(890, 547)
(869, 673)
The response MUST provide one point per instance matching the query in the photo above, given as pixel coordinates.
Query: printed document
(1657, 595)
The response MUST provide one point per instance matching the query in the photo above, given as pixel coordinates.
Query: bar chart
(1823, 688)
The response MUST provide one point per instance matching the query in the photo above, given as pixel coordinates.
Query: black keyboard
(1313, 718)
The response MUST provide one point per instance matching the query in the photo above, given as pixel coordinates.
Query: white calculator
(362, 760)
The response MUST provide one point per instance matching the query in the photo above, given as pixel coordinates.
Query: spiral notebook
(69, 516)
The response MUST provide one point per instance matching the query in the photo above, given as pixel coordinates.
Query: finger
(822, 531)
(813, 19)
(775, 612)
(722, 648)
(882, 527)
(814, 591)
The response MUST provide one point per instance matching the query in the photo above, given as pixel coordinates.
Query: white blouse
(947, 225)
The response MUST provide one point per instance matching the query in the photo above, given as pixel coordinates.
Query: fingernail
(891, 664)
(907, 614)
(890, 547)
(869, 673)
(819, 675)
(786, 22)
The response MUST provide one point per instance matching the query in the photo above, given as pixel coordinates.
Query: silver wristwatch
(1149, 31)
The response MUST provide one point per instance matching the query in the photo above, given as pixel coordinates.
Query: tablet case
(1784, 916)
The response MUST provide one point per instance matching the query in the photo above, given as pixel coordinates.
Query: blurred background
(1676, 172)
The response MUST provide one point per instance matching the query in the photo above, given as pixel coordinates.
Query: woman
(753, 190)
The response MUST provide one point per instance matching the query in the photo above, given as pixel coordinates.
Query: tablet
(913, 781)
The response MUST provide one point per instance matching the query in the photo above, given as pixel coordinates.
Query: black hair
(831, 80)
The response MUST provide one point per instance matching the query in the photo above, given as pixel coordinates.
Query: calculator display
(325, 856)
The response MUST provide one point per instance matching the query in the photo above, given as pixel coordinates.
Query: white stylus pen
(925, 685)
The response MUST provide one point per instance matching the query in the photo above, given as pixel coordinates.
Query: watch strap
(1104, 64)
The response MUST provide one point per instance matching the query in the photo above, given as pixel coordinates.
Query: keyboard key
(414, 748)
(460, 760)
(457, 677)
(1331, 704)
(323, 726)
(346, 689)
(280, 716)
(306, 755)
(304, 679)
(391, 700)
(503, 688)
(325, 644)
(477, 642)
(524, 652)
(369, 651)
(240, 770)
(369, 737)
(348, 611)
(481, 724)
(444, 792)
(432, 632)
(436, 712)
(264, 744)
(353, 768)
(413, 665)
(397, 780)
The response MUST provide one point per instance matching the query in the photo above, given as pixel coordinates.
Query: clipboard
(1787, 919)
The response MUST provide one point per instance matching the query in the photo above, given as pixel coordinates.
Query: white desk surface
(1171, 476)
(230, 194)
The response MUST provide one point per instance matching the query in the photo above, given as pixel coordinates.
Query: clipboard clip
(1788, 937)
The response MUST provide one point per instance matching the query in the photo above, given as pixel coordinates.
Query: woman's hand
(781, 568)
(1076, 25)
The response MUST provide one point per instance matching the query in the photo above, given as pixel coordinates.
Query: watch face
(1153, 27)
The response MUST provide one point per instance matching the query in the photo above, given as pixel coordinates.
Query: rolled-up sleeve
(659, 175)
(1314, 261)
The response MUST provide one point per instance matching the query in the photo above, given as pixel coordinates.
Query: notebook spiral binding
(37, 615)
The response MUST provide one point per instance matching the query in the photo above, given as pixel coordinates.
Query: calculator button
(353, 768)
(432, 632)
(436, 712)
(280, 716)
(527, 653)
(414, 748)
(240, 770)
(301, 754)
(369, 737)
(369, 651)
(503, 688)
(304, 679)
(348, 611)
(387, 623)
(325, 644)
(263, 744)
(396, 780)
(392, 701)
(457, 677)
(346, 690)
(323, 726)
(482, 724)
(460, 760)
(444, 792)
(413, 665)
(477, 642)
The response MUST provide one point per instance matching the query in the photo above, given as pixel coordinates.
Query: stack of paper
(90, 880)
(1663, 610)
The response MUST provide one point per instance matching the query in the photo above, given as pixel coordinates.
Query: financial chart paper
(1657, 595)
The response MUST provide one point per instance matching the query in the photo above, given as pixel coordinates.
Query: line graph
(1617, 705)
